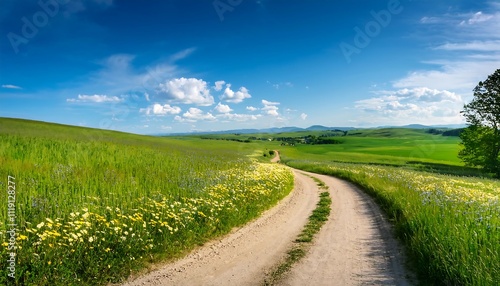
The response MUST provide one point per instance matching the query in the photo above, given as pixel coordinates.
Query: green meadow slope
(90, 206)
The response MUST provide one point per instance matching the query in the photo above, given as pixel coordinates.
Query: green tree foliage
(481, 140)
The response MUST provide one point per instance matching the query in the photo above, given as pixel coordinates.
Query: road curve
(354, 247)
(243, 256)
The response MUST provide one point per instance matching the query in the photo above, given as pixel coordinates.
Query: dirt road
(354, 247)
(242, 257)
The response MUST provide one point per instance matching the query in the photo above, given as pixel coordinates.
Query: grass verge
(318, 217)
(449, 225)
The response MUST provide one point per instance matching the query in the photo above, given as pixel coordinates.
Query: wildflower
(22, 237)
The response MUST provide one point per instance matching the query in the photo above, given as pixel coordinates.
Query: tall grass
(450, 225)
(92, 207)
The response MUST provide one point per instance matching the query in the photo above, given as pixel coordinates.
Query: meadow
(392, 146)
(94, 206)
(445, 214)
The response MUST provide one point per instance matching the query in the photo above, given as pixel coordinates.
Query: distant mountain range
(420, 126)
(311, 128)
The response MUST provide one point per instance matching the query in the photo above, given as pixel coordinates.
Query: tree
(481, 140)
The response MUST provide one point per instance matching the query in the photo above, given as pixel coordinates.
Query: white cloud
(251, 108)
(95, 98)
(158, 109)
(11, 86)
(222, 108)
(458, 76)
(478, 17)
(219, 84)
(265, 102)
(303, 116)
(417, 105)
(470, 58)
(238, 117)
(430, 20)
(235, 97)
(119, 76)
(187, 91)
(195, 114)
(281, 84)
(270, 108)
(182, 54)
(425, 94)
(471, 46)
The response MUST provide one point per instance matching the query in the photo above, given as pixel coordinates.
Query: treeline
(453, 132)
(317, 140)
(228, 139)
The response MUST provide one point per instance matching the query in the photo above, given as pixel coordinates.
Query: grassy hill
(391, 146)
(92, 205)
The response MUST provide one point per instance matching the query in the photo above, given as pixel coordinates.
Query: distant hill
(313, 128)
(265, 130)
(420, 126)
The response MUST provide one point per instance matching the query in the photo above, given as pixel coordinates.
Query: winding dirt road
(243, 256)
(354, 247)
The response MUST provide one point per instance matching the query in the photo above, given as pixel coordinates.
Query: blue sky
(153, 67)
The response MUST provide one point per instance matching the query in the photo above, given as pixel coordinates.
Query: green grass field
(91, 206)
(447, 217)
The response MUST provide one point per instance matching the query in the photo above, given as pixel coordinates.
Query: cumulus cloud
(303, 116)
(11, 86)
(251, 108)
(158, 109)
(222, 108)
(270, 108)
(235, 97)
(195, 114)
(95, 98)
(424, 105)
(219, 85)
(187, 91)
